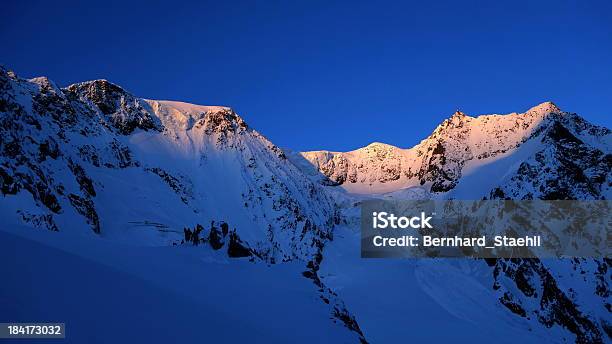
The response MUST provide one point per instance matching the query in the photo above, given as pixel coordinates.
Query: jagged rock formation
(542, 296)
(565, 168)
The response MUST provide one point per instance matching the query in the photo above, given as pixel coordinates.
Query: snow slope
(108, 292)
(434, 301)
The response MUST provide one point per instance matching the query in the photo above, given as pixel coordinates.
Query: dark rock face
(219, 237)
(19, 160)
(566, 168)
(173, 182)
(236, 248)
(534, 280)
(123, 111)
(48, 149)
(339, 170)
(85, 207)
(508, 301)
(51, 102)
(31, 156)
(44, 221)
(338, 309)
(222, 122)
(84, 181)
(215, 238)
(7, 183)
(443, 176)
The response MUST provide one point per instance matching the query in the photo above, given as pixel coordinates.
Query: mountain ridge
(439, 159)
(93, 130)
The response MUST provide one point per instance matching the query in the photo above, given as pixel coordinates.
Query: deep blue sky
(322, 75)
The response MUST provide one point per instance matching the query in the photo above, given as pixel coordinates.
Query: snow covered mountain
(92, 159)
(130, 167)
(508, 149)
(126, 182)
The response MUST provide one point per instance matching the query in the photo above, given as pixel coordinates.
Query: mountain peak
(106, 95)
(98, 86)
(545, 108)
(458, 113)
(379, 147)
(187, 109)
(376, 144)
(46, 83)
(123, 110)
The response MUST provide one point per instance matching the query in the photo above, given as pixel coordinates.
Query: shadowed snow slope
(111, 293)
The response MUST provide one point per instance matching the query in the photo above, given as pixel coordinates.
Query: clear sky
(327, 75)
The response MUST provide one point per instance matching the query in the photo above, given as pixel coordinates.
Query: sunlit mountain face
(464, 149)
